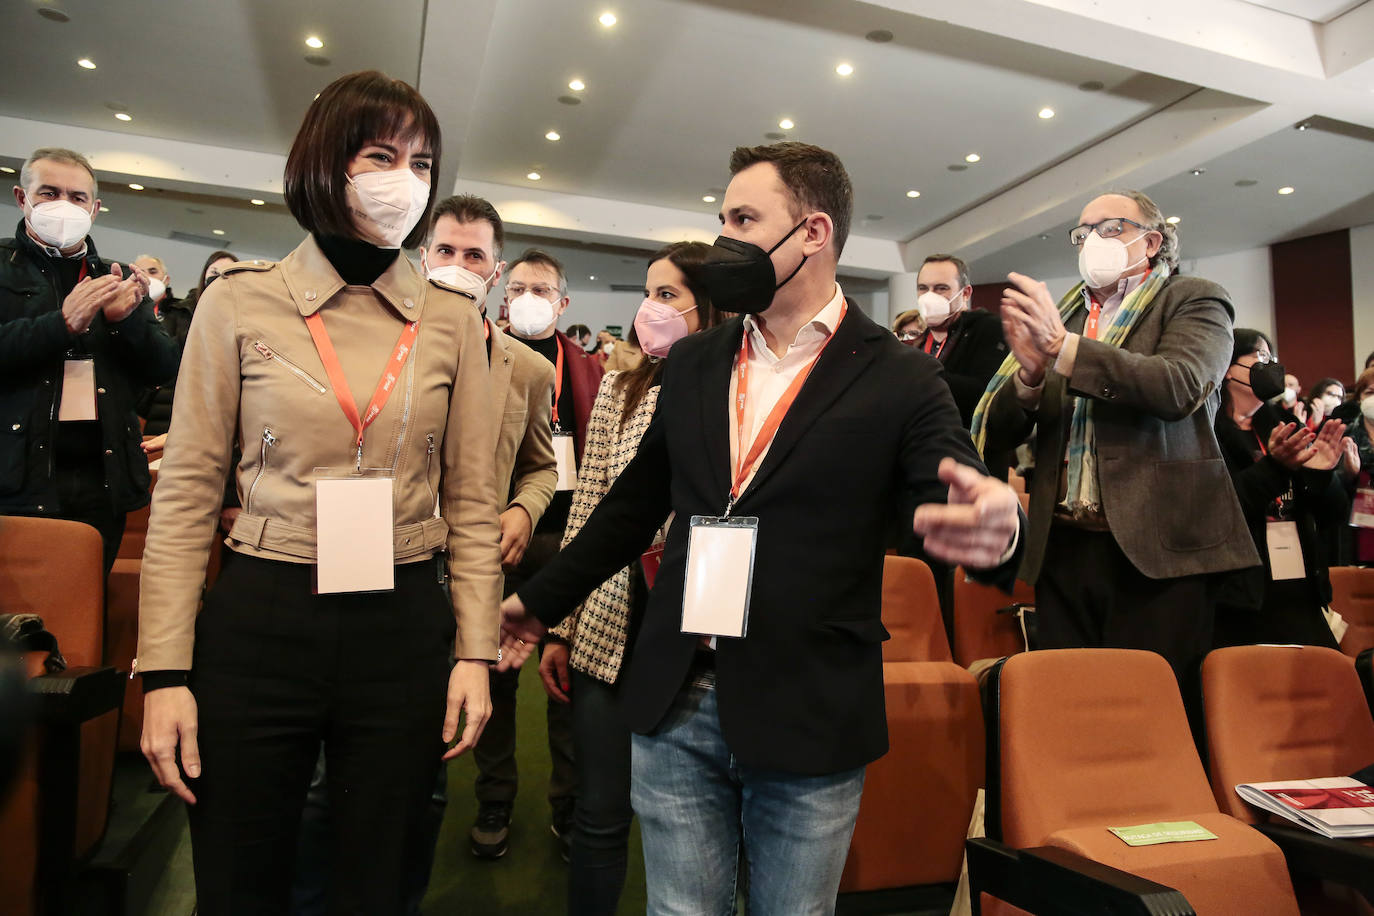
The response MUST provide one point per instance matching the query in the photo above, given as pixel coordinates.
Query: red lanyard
(774, 420)
(557, 379)
(1094, 312)
(85, 268)
(930, 342)
(390, 374)
(1263, 450)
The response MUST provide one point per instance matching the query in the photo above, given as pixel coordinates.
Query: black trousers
(84, 497)
(497, 774)
(276, 672)
(1089, 595)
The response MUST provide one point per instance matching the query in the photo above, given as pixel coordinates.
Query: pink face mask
(658, 327)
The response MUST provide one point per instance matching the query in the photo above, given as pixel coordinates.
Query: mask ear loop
(779, 245)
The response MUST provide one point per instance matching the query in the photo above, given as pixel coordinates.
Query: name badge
(1362, 510)
(1285, 552)
(353, 533)
(78, 390)
(565, 452)
(720, 576)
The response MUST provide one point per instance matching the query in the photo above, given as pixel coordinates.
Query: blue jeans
(697, 805)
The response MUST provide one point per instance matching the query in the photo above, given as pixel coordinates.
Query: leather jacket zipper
(268, 440)
(429, 458)
(268, 353)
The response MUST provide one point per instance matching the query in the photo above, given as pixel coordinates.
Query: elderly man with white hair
(1132, 512)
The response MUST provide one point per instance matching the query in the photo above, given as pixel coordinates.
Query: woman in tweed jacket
(582, 660)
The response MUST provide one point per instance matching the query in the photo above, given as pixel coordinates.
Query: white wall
(184, 260)
(1362, 281)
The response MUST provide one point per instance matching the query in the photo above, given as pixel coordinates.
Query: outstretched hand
(976, 526)
(520, 633)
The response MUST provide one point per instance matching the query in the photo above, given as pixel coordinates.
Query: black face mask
(739, 276)
(1266, 380)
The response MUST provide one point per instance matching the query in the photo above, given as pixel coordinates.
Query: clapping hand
(1033, 328)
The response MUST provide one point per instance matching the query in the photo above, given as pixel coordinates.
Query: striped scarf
(1083, 496)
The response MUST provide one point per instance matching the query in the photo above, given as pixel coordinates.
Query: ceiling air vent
(210, 241)
(627, 288)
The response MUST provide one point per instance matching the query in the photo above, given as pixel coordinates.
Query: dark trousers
(1089, 595)
(276, 672)
(497, 774)
(600, 848)
(84, 497)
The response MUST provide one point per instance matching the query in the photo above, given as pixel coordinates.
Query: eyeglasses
(908, 336)
(1107, 229)
(515, 290)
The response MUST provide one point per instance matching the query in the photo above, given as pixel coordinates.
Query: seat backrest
(911, 613)
(1092, 738)
(979, 631)
(1352, 596)
(1282, 712)
(55, 569)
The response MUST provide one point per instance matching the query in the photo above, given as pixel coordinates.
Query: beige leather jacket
(522, 391)
(250, 373)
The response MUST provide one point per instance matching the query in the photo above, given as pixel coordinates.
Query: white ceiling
(676, 84)
(1311, 10)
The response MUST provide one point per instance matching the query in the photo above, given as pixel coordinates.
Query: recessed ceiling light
(104, 209)
(217, 231)
(534, 176)
(553, 136)
(86, 63)
(257, 202)
(314, 42)
(135, 186)
(1046, 114)
(706, 198)
(6, 169)
(607, 19)
(1304, 126)
(1285, 190)
(972, 157)
(1174, 220)
(913, 193)
(576, 85)
(787, 124)
(591, 277)
(1044, 236)
(1197, 172)
(123, 116)
(844, 70)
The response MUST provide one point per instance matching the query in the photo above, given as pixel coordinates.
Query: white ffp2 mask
(386, 205)
(462, 279)
(59, 223)
(1101, 262)
(530, 314)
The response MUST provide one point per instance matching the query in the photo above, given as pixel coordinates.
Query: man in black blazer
(967, 341)
(763, 739)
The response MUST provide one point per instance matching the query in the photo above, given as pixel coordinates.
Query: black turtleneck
(358, 263)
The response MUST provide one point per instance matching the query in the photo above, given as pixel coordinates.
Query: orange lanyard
(1094, 312)
(385, 385)
(930, 342)
(1263, 450)
(557, 380)
(774, 420)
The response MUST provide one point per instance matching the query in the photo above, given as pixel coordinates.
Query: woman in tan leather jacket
(350, 384)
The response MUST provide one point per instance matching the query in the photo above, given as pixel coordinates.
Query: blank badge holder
(720, 576)
(565, 454)
(78, 390)
(353, 530)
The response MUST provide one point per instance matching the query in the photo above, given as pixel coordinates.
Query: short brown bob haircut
(351, 112)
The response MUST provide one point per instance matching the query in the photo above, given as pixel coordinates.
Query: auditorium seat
(1352, 596)
(919, 797)
(984, 625)
(121, 610)
(61, 805)
(1081, 740)
(1281, 713)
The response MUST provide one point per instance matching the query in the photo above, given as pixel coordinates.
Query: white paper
(1285, 552)
(353, 535)
(78, 390)
(715, 596)
(565, 452)
(1362, 511)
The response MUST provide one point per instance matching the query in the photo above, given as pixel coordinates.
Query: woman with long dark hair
(359, 395)
(1283, 475)
(582, 661)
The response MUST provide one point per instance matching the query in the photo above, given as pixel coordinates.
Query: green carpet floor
(530, 878)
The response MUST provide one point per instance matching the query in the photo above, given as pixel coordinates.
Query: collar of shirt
(1124, 287)
(808, 341)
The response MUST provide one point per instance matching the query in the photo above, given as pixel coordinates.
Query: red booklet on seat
(1339, 807)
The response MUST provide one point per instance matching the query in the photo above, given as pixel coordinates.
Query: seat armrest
(1364, 665)
(1340, 861)
(1055, 882)
(77, 694)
